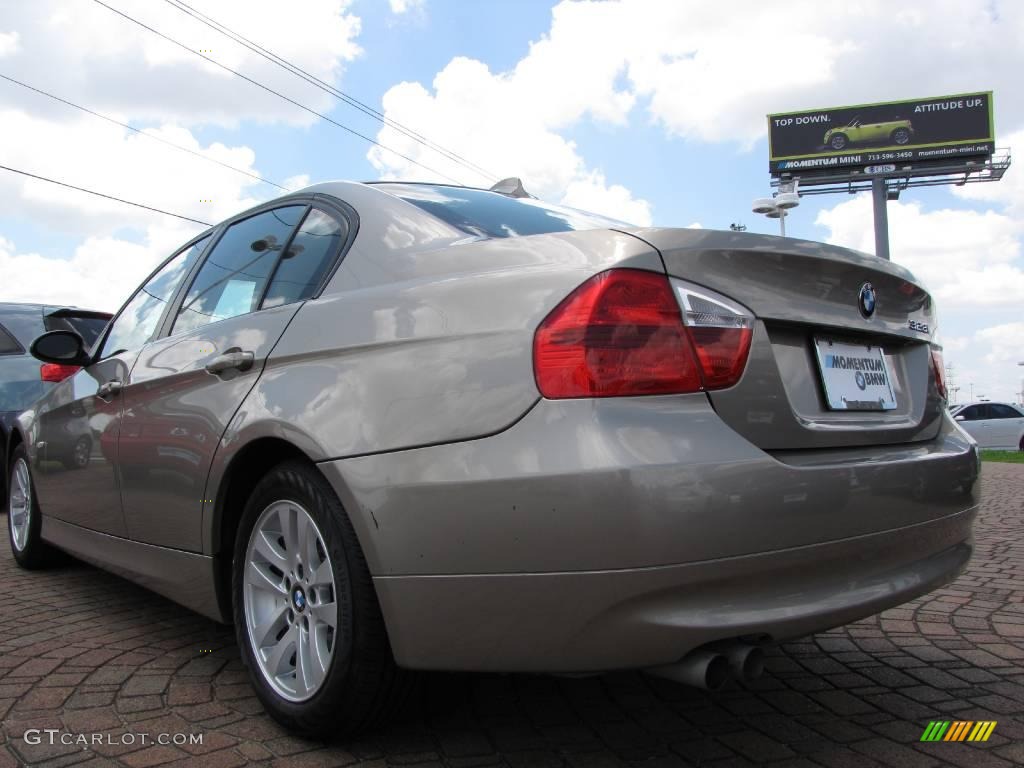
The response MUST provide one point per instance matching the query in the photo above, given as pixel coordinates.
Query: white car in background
(992, 425)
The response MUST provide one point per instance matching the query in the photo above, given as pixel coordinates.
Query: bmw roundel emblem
(299, 598)
(866, 300)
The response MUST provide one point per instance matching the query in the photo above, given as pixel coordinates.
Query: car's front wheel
(838, 141)
(23, 518)
(901, 136)
(308, 622)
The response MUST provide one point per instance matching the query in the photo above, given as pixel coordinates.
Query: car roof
(960, 406)
(24, 307)
(20, 307)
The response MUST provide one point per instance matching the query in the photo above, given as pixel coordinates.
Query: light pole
(1021, 386)
(777, 207)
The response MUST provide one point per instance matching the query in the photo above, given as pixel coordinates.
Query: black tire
(900, 136)
(363, 686)
(35, 553)
(838, 140)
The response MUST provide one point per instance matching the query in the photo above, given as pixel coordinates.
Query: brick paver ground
(85, 652)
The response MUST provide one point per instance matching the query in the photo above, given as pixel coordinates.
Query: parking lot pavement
(87, 653)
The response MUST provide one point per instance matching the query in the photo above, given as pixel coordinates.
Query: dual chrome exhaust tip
(711, 667)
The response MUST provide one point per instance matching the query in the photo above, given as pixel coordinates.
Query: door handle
(108, 389)
(233, 359)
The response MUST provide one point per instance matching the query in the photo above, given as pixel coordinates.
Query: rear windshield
(489, 214)
(89, 328)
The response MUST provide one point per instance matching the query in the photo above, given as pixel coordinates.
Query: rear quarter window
(312, 251)
(8, 344)
(1000, 411)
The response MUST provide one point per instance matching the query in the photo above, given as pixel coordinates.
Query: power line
(108, 197)
(268, 89)
(143, 133)
(352, 101)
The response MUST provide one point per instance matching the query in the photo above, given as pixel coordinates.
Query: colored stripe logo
(958, 730)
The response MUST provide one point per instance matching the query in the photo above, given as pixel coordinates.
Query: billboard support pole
(879, 198)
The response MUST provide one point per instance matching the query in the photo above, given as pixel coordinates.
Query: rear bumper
(621, 533)
(603, 620)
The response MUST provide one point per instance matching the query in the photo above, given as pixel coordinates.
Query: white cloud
(110, 262)
(96, 155)
(300, 181)
(713, 71)
(86, 53)
(8, 43)
(964, 257)
(955, 343)
(986, 364)
(100, 274)
(498, 122)
(704, 71)
(399, 7)
(592, 193)
(708, 71)
(1008, 191)
(1006, 343)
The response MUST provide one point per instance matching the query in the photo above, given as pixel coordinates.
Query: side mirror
(61, 347)
(959, 417)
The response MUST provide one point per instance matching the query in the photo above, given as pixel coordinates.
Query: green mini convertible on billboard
(859, 131)
(933, 132)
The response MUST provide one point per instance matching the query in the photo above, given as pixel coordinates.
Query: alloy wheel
(291, 615)
(20, 504)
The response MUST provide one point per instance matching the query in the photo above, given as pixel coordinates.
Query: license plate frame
(854, 375)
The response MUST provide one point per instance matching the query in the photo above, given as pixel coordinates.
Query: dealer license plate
(855, 376)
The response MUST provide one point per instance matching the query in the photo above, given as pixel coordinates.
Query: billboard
(917, 132)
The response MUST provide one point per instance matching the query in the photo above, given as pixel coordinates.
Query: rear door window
(233, 278)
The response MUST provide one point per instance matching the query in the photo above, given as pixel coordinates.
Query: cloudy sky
(648, 110)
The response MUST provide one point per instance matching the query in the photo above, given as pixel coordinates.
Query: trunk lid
(801, 291)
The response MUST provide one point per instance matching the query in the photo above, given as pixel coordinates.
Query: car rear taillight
(55, 372)
(622, 333)
(721, 331)
(940, 372)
